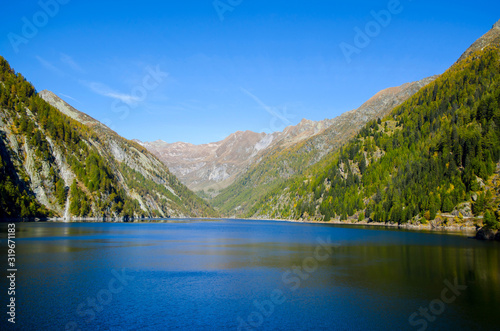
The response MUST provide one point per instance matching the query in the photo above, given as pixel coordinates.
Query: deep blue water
(248, 275)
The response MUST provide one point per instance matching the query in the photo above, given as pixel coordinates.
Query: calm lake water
(247, 275)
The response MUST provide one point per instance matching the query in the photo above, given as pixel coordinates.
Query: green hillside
(436, 153)
(290, 158)
(277, 165)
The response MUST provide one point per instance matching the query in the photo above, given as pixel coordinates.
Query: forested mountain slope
(64, 163)
(432, 158)
(287, 157)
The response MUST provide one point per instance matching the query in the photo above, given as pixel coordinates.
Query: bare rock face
(213, 164)
(217, 165)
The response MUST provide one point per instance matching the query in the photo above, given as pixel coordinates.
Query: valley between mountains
(425, 152)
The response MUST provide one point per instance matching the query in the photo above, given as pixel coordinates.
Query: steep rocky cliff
(64, 163)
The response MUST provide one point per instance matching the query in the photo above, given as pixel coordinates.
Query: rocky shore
(488, 234)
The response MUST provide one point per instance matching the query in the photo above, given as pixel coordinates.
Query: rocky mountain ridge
(492, 37)
(57, 161)
(213, 167)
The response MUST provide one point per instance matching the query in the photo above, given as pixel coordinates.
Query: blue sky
(195, 72)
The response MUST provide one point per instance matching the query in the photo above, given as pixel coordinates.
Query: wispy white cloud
(104, 90)
(49, 66)
(69, 61)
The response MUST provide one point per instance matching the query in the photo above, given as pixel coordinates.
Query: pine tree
(447, 205)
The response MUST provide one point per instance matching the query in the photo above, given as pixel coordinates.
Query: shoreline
(474, 232)
(420, 227)
(101, 219)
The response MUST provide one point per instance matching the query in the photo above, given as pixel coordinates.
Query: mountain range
(434, 158)
(57, 161)
(247, 173)
(422, 151)
(242, 167)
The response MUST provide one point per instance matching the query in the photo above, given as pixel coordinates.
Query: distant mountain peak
(305, 121)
